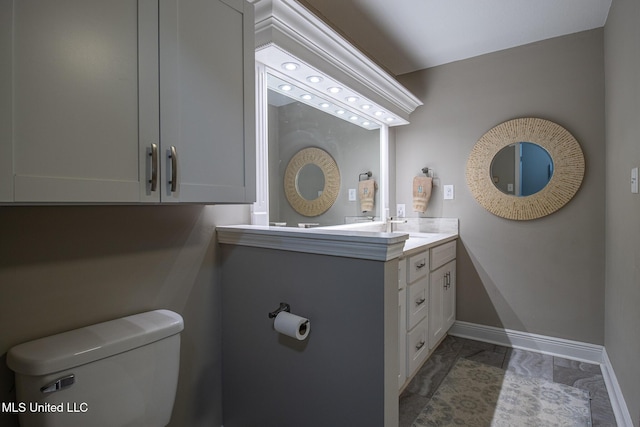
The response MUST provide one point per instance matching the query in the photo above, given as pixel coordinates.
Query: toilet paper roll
(291, 325)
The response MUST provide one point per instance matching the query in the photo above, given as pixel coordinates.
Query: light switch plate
(352, 194)
(634, 180)
(400, 210)
(448, 192)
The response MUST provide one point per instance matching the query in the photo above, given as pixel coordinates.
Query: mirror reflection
(521, 169)
(294, 124)
(310, 182)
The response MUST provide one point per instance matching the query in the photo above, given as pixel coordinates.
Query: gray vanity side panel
(334, 378)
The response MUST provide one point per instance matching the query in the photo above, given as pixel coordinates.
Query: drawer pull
(420, 301)
(422, 264)
(420, 345)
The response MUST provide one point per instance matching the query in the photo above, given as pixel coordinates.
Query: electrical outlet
(634, 180)
(352, 194)
(448, 192)
(400, 210)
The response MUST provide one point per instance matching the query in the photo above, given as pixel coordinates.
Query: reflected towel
(421, 193)
(366, 192)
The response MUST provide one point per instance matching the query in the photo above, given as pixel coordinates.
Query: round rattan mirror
(297, 197)
(568, 168)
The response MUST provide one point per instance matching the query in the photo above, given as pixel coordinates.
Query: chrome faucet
(390, 221)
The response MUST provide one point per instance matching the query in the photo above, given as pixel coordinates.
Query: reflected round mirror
(565, 169)
(310, 181)
(521, 169)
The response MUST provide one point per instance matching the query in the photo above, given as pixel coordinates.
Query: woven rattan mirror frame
(568, 172)
(329, 167)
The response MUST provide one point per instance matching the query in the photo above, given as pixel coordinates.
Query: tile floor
(577, 374)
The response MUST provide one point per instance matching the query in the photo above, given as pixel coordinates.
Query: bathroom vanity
(378, 303)
(426, 299)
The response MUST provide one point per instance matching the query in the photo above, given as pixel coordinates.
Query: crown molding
(298, 31)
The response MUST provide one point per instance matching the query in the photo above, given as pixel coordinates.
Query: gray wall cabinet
(97, 95)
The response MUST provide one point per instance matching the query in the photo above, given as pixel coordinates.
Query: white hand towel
(366, 191)
(421, 193)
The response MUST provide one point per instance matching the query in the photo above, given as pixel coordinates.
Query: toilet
(123, 372)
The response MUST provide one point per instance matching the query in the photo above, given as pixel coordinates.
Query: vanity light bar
(323, 103)
(325, 90)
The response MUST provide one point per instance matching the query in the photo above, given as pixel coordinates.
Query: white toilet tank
(118, 373)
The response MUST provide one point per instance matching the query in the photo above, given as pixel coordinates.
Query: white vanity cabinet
(127, 101)
(426, 304)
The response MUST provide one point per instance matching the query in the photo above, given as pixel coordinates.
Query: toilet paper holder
(283, 307)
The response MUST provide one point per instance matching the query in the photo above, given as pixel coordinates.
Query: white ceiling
(409, 35)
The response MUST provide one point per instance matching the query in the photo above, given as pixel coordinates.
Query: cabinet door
(207, 109)
(437, 284)
(6, 101)
(441, 302)
(449, 299)
(74, 119)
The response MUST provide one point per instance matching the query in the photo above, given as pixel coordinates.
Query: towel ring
(368, 174)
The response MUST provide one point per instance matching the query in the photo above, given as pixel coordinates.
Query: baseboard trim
(568, 349)
(619, 405)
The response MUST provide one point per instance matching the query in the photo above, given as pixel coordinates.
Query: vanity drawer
(417, 301)
(417, 346)
(418, 266)
(440, 255)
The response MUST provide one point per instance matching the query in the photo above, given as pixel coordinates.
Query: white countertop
(344, 243)
(335, 241)
(419, 242)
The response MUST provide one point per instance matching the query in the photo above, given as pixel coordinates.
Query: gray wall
(67, 267)
(355, 150)
(622, 312)
(543, 276)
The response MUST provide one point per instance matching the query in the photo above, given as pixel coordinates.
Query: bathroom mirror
(564, 168)
(314, 157)
(521, 169)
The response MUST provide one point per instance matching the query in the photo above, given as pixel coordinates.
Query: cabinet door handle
(174, 169)
(420, 301)
(420, 345)
(154, 167)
